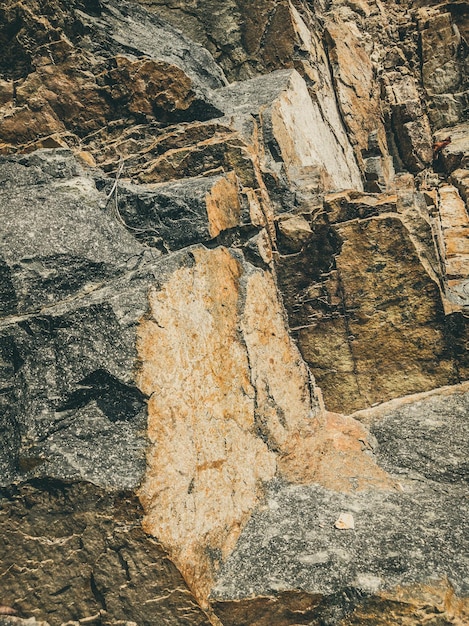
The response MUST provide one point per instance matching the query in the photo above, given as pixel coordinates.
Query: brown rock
(244, 410)
(294, 232)
(380, 310)
(410, 123)
(410, 606)
(151, 87)
(60, 80)
(415, 604)
(74, 552)
(223, 205)
(452, 234)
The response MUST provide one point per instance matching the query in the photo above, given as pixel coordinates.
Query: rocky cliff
(234, 307)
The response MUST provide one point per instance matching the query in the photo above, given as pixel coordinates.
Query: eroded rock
(399, 561)
(83, 68)
(245, 391)
(296, 130)
(143, 341)
(361, 289)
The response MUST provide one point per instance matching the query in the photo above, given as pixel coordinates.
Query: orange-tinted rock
(230, 404)
(211, 417)
(336, 453)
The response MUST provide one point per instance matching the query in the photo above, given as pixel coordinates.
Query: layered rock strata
(234, 313)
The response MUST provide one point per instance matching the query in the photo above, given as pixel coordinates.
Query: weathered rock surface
(179, 214)
(230, 419)
(162, 202)
(59, 80)
(296, 130)
(443, 37)
(68, 336)
(397, 565)
(374, 276)
(73, 553)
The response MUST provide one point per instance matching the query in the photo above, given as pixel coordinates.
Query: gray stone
(406, 537)
(399, 538)
(43, 260)
(171, 216)
(427, 439)
(126, 27)
(70, 407)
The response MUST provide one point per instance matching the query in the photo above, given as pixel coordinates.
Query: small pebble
(345, 521)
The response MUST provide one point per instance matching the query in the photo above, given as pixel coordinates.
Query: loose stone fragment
(345, 521)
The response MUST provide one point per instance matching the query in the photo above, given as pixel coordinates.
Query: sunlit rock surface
(234, 308)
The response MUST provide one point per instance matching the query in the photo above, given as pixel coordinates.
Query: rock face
(59, 538)
(234, 306)
(294, 541)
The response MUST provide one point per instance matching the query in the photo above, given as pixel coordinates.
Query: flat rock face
(374, 276)
(296, 128)
(208, 210)
(440, 421)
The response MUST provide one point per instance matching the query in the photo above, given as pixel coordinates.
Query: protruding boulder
(400, 559)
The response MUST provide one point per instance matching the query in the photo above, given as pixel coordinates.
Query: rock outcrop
(234, 313)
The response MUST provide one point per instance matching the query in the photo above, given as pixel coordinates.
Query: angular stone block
(296, 130)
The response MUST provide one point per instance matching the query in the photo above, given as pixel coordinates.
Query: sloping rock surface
(400, 551)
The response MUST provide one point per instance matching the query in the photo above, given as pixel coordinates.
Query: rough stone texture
(350, 299)
(246, 38)
(454, 223)
(156, 220)
(59, 79)
(176, 215)
(398, 565)
(214, 447)
(454, 156)
(73, 553)
(443, 36)
(438, 419)
(72, 409)
(78, 372)
(295, 128)
(410, 124)
(6, 620)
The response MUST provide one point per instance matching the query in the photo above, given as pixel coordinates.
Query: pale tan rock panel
(223, 205)
(227, 387)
